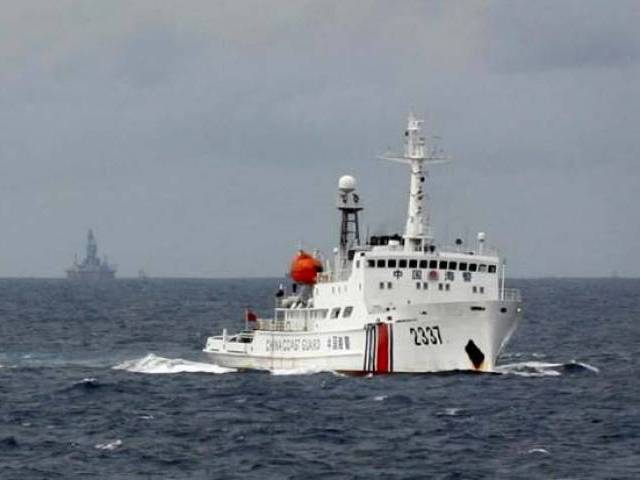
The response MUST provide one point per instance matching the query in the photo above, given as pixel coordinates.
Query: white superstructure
(398, 303)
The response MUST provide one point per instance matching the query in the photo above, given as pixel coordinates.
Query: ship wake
(545, 369)
(154, 364)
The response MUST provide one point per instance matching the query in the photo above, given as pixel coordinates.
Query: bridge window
(381, 264)
(473, 267)
(423, 264)
(492, 269)
(391, 263)
(347, 312)
(482, 268)
(335, 313)
(402, 263)
(433, 264)
(453, 265)
(462, 267)
(413, 264)
(371, 263)
(443, 265)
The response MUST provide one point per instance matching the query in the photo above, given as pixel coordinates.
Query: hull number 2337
(426, 335)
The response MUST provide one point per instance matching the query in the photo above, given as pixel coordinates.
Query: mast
(349, 206)
(417, 154)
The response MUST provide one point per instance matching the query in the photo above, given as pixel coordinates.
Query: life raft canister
(433, 275)
(305, 268)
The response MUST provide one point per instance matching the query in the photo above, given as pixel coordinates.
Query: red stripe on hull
(382, 352)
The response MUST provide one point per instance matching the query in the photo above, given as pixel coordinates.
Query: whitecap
(299, 371)
(156, 364)
(379, 398)
(586, 366)
(110, 445)
(451, 412)
(538, 450)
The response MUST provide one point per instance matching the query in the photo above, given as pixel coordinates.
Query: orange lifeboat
(305, 268)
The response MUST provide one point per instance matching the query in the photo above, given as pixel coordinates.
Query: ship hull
(449, 337)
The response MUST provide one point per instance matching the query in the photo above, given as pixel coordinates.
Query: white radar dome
(347, 183)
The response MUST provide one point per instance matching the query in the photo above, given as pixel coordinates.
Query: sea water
(108, 381)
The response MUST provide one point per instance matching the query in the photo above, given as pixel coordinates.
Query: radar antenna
(417, 154)
(349, 205)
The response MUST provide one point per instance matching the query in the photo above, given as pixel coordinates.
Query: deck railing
(334, 276)
(278, 325)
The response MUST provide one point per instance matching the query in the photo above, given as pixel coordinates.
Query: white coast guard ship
(394, 304)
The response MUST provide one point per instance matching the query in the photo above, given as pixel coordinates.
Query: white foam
(530, 369)
(155, 364)
(451, 412)
(109, 446)
(300, 371)
(539, 450)
(541, 369)
(379, 398)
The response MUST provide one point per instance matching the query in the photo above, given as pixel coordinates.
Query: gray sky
(205, 138)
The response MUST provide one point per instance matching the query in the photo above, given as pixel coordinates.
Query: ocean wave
(86, 384)
(449, 412)
(303, 371)
(9, 442)
(544, 369)
(543, 451)
(155, 364)
(109, 445)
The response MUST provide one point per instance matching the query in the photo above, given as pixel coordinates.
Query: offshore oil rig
(92, 268)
